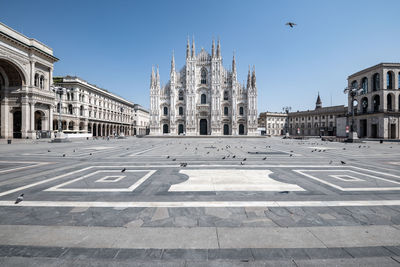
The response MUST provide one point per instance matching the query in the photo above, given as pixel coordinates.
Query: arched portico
(13, 115)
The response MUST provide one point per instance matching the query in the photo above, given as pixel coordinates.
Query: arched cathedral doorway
(226, 129)
(180, 129)
(165, 128)
(241, 129)
(203, 127)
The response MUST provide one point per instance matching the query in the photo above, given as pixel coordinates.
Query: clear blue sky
(113, 44)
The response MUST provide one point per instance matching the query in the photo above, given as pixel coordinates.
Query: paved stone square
(200, 201)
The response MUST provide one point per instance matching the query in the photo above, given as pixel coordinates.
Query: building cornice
(26, 42)
(380, 65)
(78, 81)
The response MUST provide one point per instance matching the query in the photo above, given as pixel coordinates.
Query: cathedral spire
(234, 63)
(193, 49)
(173, 62)
(188, 48)
(248, 79)
(253, 78)
(218, 49)
(157, 79)
(152, 79)
(213, 48)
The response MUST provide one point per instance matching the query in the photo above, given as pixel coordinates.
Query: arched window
(180, 111)
(226, 110)
(180, 95)
(241, 111)
(389, 80)
(389, 102)
(354, 84)
(375, 82)
(364, 105)
(376, 100)
(70, 109)
(203, 99)
(165, 111)
(364, 85)
(41, 82)
(81, 111)
(226, 95)
(36, 80)
(203, 76)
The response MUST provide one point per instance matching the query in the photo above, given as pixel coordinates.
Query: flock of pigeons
(20, 198)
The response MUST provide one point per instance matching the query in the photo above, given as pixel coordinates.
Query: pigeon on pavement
(19, 199)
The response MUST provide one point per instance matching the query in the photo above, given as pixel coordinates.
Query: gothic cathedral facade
(203, 98)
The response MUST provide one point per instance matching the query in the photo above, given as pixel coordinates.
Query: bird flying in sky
(291, 24)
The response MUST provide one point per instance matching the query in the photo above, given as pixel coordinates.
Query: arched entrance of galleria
(21, 115)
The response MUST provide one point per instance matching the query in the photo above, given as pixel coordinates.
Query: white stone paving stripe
(58, 188)
(35, 164)
(40, 182)
(143, 151)
(199, 204)
(303, 172)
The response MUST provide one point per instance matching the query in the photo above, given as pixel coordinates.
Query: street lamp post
(286, 110)
(352, 92)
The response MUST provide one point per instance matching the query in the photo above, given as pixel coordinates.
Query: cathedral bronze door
(241, 129)
(180, 129)
(226, 129)
(203, 127)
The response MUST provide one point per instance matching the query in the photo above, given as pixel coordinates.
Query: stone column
(26, 118)
(50, 78)
(5, 119)
(32, 69)
(85, 126)
(76, 125)
(51, 118)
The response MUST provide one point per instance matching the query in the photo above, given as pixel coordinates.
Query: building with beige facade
(87, 108)
(377, 103)
(141, 120)
(274, 123)
(322, 121)
(26, 99)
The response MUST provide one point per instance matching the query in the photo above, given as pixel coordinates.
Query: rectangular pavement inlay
(350, 180)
